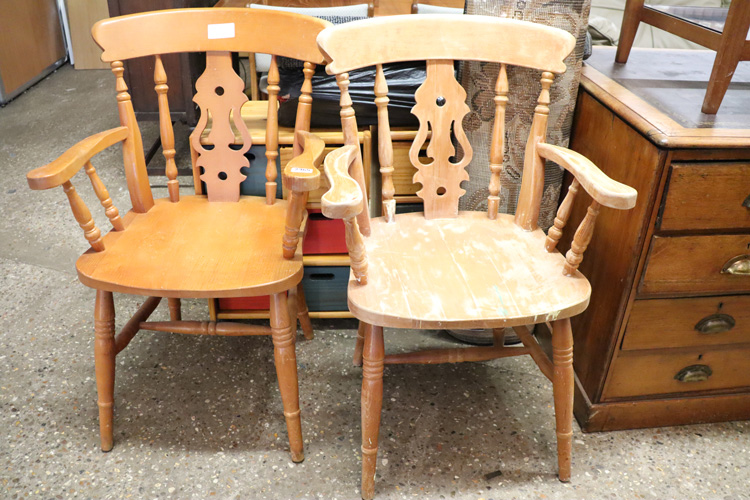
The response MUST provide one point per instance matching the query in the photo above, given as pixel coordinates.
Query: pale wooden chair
(443, 268)
(218, 244)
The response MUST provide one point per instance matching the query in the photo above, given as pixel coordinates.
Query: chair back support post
(497, 145)
(351, 137)
(304, 106)
(272, 131)
(165, 129)
(385, 145)
(532, 184)
(132, 147)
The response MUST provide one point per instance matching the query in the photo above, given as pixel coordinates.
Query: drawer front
(708, 370)
(403, 170)
(698, 264)
(664, 323)
(707, 196)
(325, 288)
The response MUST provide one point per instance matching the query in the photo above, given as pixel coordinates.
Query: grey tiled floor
(201, 417)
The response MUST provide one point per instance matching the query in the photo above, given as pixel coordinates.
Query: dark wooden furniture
(216, 243)
(730, 43)
(666, 338)
(182, 69)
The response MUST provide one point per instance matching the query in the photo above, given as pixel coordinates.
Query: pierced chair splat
(216, 243)
(450, 269)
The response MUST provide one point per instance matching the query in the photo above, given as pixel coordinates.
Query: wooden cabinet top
(660, 91)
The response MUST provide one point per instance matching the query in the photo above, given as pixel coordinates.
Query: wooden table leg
(728, 55)
(630, 22)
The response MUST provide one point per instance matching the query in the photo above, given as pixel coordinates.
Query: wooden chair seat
(231, 250)
(439, 274)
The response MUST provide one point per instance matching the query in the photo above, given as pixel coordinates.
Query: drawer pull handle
(715, 323)
(694, 373)
(739, 265)
(746, 203)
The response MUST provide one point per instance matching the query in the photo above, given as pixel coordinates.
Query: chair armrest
(302, 173)
(603, 189)
(71, 161)
(344, 198)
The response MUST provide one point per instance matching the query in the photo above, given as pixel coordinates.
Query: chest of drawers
(666, 338)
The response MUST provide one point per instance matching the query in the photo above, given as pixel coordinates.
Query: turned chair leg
(372, 402)
(630, 22)
(286, 371)
(357, 360)
(291, 303)
(175, 309)
(562, 389)
(303, 315)
(104, 360)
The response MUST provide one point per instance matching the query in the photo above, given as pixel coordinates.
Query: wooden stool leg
(286, 371)
(104, 359)
(372, 402)
(728, 55)
(630, 22)
(303, 315)
(175, 309)
(562, 389)
(357, 360)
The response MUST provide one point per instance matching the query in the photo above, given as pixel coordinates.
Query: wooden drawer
(643, 374)
(702, 321)
(693, 264)
(403, 170)
(707, 196)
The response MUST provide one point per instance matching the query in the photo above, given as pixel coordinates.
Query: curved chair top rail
(390, 39)
(204, 30)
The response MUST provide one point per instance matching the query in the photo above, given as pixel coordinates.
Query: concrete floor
(200, 417)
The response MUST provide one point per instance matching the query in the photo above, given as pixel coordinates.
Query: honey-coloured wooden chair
(212, 244)
(442, 268)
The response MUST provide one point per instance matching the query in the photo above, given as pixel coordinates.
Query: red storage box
(260, 303)
(324, 235)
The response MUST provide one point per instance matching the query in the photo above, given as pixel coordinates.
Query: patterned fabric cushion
(479, 80)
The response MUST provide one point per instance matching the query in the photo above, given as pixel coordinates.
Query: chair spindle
(83, 216)
(132, 147)
(101, 192)
(304, 108)
(385, 145)
(497, 148)
(532, 185)
(165, 129)
(581, 240)
(272, 131)
(351, 136)
(556, 231)
(357, 253)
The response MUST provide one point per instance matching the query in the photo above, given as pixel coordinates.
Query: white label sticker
(218, 31)
(298, 170)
